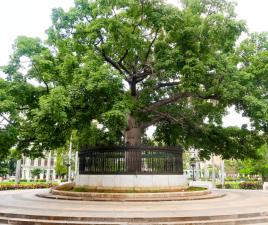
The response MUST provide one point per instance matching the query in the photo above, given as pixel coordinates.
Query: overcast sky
(32, 18)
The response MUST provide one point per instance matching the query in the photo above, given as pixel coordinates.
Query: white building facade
(47, 165)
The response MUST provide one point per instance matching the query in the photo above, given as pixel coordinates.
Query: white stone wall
(265, 186)
(131, 181)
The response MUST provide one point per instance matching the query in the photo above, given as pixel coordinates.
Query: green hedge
(25, 186)
(251, 185)
(229, 185)
(31, 180)
(246, 185)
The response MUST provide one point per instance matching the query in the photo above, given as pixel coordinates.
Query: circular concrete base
(237, 207)
(131, 197)
(141, 182)
(71, 191)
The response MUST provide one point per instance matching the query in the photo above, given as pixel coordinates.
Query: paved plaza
(236, 205)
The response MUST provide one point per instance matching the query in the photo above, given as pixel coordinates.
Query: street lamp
(192, 163)
(68, 167)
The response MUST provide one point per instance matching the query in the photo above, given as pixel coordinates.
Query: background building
(47, 165)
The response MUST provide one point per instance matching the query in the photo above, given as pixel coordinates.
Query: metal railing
(130, 160)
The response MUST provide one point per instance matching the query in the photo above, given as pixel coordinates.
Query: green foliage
(72, 188)
(60, 167)
(228, 142)
(36, 172)
(108, 61)
(256, 166)
(80, 189)
(7, 186)
(8, 165)
(251, 185)
(231, 167)
(4, 168)
(229, 185)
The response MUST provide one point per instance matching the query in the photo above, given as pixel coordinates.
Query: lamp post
(68, 174)
(192, 163)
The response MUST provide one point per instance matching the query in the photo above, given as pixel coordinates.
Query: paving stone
(237, 207)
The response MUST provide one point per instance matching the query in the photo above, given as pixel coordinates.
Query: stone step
(169, 219)
(239, 221)
(153, 220)
(258, 223)
(158, 197)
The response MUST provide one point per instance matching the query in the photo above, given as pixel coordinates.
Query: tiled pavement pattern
(237, 207)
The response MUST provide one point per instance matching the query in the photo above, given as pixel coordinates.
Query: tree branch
(117, 65)
(123, 57)
(167, 84)
(38, 71)
(151, 122)
(151, 45)
(166, 101)
(6, 119)
(23, 108)
(109, 60)
(162, 116)
(120, 62)
(168, 116)
(175, 98)
(140, 76)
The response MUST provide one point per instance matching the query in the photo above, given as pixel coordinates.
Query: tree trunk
(70, 159)
(213, 176)
(264, 177)
(133, 133)
(133, 138)
(18, 171)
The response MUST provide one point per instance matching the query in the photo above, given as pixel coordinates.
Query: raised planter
(159, 196)
(140, 167)
(66, 192)
(142, 182)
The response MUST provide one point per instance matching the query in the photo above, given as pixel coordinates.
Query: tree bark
(133, 133)
(133, 138)
(18, 171)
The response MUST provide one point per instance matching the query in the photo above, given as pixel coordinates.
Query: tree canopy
(258, 166)
(126, 65)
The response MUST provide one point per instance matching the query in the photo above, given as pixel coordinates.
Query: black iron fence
(130, 160)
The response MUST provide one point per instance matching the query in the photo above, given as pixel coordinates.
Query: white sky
(32, 18)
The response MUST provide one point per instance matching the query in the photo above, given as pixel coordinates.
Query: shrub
(250, 185)
(25, 186)
(228, 186)
(196, 189)
(41, 180)
(80, 189)
(231, 179)
(23, 180)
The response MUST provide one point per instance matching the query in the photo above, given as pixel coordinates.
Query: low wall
(204, 184)
(265, 186)
(133, 181)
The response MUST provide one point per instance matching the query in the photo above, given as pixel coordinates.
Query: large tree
(258, 166)
(132, 64)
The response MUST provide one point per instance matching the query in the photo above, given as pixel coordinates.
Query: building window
(23, 161)
(45, 162)
(32, 162)
(52, 162)
(39, 162)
